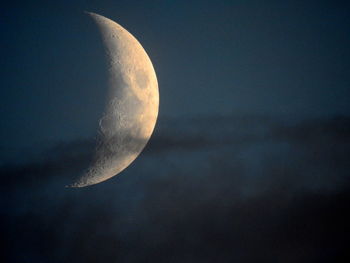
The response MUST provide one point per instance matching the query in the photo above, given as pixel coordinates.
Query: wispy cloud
(221, 190)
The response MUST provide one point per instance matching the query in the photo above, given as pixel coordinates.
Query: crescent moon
(132, 106)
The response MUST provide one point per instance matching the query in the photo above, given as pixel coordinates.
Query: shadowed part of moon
(132, 107)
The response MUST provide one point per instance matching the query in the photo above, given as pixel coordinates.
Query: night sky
(249, 160)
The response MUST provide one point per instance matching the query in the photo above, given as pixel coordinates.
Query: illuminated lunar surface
(132, 107)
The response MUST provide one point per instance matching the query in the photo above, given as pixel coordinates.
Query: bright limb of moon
(132, 108)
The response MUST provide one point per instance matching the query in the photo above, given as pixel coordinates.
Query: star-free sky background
(249, 161)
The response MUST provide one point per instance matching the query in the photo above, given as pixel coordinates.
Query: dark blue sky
(249, 161)
(284, 58)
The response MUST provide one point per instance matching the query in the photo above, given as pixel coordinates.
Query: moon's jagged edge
(132, 108)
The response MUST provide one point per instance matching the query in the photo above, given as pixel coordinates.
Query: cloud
(239, 189)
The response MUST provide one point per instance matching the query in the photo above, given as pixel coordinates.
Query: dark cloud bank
(229, 189)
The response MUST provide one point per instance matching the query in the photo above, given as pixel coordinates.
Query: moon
(132, 106)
